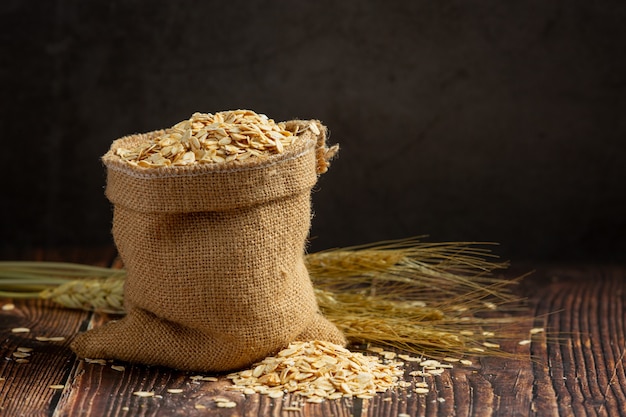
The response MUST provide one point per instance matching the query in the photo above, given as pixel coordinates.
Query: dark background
(464, 120)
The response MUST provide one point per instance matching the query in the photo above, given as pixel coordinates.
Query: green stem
(10, 294)
(15, 278)
(62, 267)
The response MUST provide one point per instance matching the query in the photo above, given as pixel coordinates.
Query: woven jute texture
(215, 260)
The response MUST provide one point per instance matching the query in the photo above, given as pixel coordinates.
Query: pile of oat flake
(213, 138)
(321, 371)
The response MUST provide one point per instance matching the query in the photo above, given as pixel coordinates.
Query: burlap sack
(214, 254)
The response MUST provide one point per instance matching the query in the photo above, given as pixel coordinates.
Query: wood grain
(576, 367)
(25, 387)
(579, 367)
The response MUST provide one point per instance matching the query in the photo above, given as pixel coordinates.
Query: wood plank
(578, 365)
(112, 390)
(24, 389)
(510, 380)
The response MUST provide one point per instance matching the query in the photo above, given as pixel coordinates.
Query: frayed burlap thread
(215, 260)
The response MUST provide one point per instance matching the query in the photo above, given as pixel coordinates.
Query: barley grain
(144, 394)
(50, 339)
(96, 361)
(20, 330)
(437, 371)
(276, 394)
(196, 378)
(221, 399)
(175, 390)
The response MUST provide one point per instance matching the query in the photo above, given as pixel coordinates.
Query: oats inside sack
(227, 136)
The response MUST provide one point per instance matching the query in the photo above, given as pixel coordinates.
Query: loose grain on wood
(48, 364)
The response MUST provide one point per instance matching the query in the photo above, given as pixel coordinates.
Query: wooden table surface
(575, 367)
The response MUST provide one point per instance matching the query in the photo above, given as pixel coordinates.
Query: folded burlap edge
(324, 154)
(215, 187)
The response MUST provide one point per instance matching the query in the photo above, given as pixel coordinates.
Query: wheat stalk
(99, 294)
